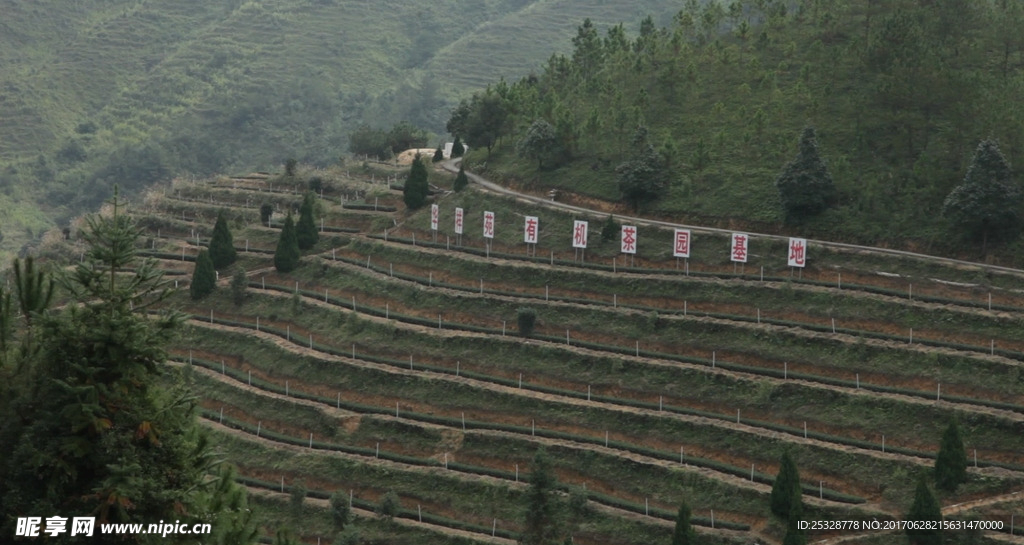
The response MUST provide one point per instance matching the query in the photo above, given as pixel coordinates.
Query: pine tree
(457, 148)
(683, 533)
(305, 232)
(222, 245)
(438, 154)
(951, 463)
(925, 509)
(785, 499)
(987, 205)
(286, 256)
(239, 283)
(204, 277)
(794, 535)
(542, 509)
(90, 432)
(416, 187)
(805, 186)
(461, 180)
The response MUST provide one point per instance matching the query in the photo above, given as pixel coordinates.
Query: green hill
(94, 92)
(900, 94)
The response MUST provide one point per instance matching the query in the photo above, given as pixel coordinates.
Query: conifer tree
(461, 180)
(542, 509)
(286, 256)
(204, 277)
(683, 533)
(794, 535)
(222, 245)
(266, 210)
(305, 232)
(924, 509)
(239, 282)
(90, 432)
(951, 462)
(785, 497)
(805, 186)
(416, 186)
(438, 154)
(457, 148)
(987, 205)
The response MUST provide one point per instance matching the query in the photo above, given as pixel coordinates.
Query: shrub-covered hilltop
(697, 121)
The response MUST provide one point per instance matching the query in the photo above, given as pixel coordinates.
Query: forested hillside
(696, 120)
(98, 92)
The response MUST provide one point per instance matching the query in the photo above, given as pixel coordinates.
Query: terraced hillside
(391, 360)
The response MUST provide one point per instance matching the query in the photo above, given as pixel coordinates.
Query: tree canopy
(543, 511)
(786, 500)
(90, 430)
(306, 231)
(222, 244)
(204, 277)
(286, 256)
(951, 462)
(416, 186)
(805, 185)
(924, 509)
(987, 205)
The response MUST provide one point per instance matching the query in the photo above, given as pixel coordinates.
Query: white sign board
(579, 234)
(530, 228)
(488, 224)
(681, 243)
(628, 239)
(458, 221)
(797, 252)
(738, 249)
(448, 149)
(434, 216)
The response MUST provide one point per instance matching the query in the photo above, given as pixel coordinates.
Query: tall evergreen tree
(457, 148)
(805, 186)
(683, 533)
(266, 210)
(924, 509)
(306, 232)
(438, 154)
(794, 535)
(461, 180)
(951, 462)
(89, 431)
(785, 498)
(542, 510)
(987, 205)
(204, 277)
(286, 256)
(222, 245)
(416, 186)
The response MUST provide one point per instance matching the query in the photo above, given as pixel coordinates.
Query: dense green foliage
(458, 148)
(924, 509)
(785, 498)
(683, 533)
(951, 462)
(239, 284)
(286, 255)
(416, 189)
(438, 155)
(222, 244)
(87, 430)
(341, 513)
(540, 142)
(805, 186)
(144, 91)
(379, 143)
(987, 205)
(543, 510)
(461, 180)
(266, 211)
(389, 505)
(526, 319)
(204, 276)
(306, 231)
(899, 92)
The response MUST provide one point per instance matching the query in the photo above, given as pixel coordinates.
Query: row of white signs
(628, 238)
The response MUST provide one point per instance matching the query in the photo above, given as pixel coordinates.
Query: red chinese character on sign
(458, 221)
(628, 239)
(682, 248)
(579, 234)
(489, 224)
(531, 229)
(797, 248)
(739, 248)
(434, 214)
